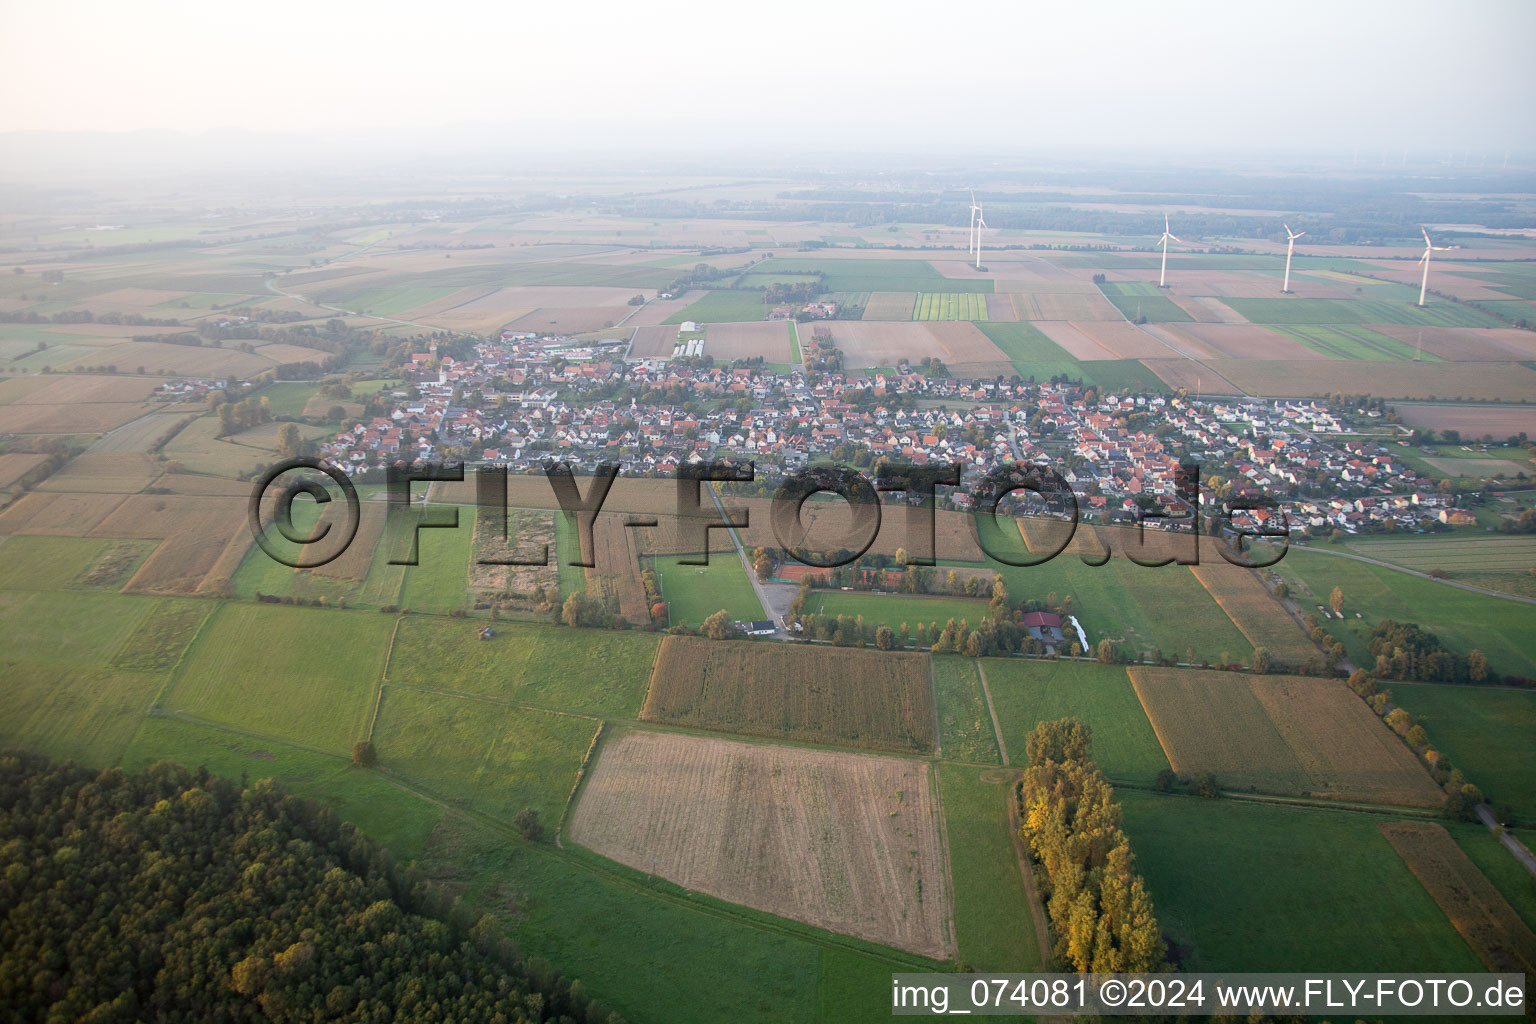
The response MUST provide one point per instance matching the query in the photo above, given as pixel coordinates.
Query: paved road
(774, 597)
(1514, 845)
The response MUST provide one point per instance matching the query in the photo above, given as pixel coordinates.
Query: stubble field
(846, 842)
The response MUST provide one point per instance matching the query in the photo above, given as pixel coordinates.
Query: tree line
(1100, 912)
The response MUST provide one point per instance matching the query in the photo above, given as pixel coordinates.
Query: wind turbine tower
(970, 238)
(1162, 279)
(981, 222)
(1290, 247)
(1429, 247)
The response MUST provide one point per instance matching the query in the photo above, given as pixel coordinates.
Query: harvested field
(1062, 305)
(1254, 610)
(1096, 543)
(144, 433)
(1501, 382)
(653, 342)
(616, 573)
(197, 530)
(673, 535)
(837, 695)
(658, 311)
(106, 473)
(191, 360)
(188, 483)
(1238, 341)
(1197, 308)
(962, 347)
(57, 513)
(889, 306)
(828, 525)
(1196, 377)
(1280, 734)
(281, 353)
(1000, 306)
(1471, 420)
(83, 390)
(1466, 344)
(1496, 933)
(567, 319)
(70, 418)
(767, 338)
(13, 467)
(1104, 339)
(845, 842)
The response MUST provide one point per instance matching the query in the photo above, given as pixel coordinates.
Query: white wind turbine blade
(1427, 242)
(1176, 238)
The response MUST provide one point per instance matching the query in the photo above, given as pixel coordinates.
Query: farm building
(1044, 626)
(759, 627)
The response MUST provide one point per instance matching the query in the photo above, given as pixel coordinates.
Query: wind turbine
(1162, 279)
(970, 238)
(981, 222)
(1429, 247)
(1290, 247)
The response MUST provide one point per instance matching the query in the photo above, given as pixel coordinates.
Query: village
(526, 399)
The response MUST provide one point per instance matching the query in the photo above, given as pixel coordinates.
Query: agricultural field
(1105, 339)
(881, 275)
(1027, 692)
(949, 306)
(768, 340)
(274, 671)
(1033, 354)
(965, 725)
(994, 928)
(1499, 382)
(439, 581)
(1346, 342)
(1139, 299)
(890, 306)
(964, 348)
(592, 672)
(105, 473)
(1487, 732)
(833, 695)
(1490, 926)
(1280, 734)
(1463, 620)
(1254, 610)
(846, 842)
(1298, 310)
(1482, 561)
(1288, 888)
(723, 307)
(1470, 420)
(482, 754)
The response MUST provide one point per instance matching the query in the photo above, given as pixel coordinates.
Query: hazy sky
(1340, 73)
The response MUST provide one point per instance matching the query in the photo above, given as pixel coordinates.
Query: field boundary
(581, 775)
(997, 730)
(942, 823)
(1027, 873)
